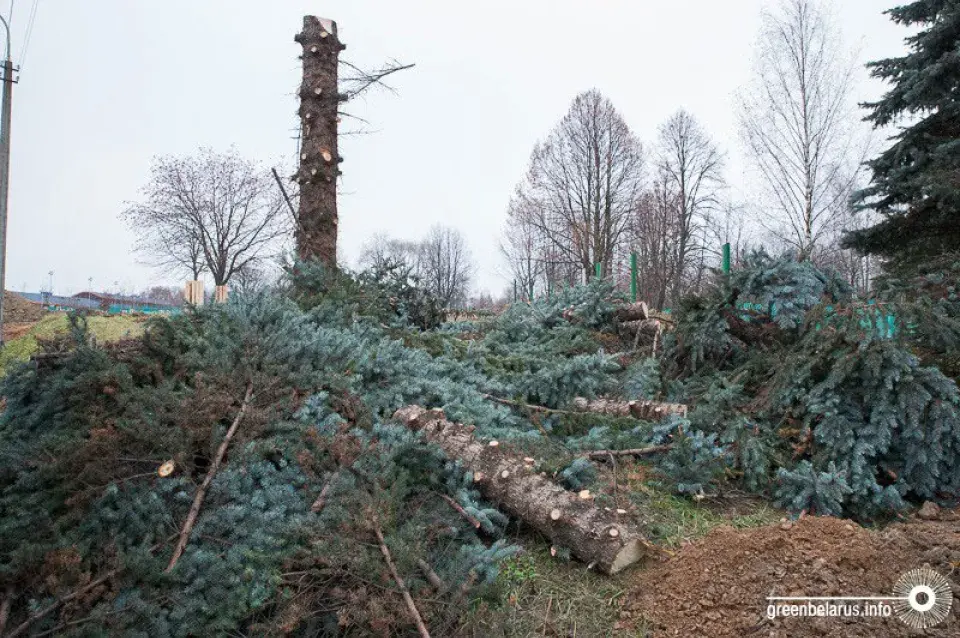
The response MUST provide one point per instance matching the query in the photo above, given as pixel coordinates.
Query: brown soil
(13, 331)
(718, 586)
(17, 309)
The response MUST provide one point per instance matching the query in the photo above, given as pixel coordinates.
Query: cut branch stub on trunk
(643, 410)
(593, 535)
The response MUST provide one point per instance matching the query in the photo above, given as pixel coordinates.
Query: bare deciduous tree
(381, 251)
(445, 265)
(583, 184)
(797, 125)
(214, 209)
(653, 232)
(691, 169)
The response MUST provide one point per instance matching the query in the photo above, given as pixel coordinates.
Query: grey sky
(107, 84)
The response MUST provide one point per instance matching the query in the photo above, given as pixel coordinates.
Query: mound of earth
(718, 586)
(17, 309)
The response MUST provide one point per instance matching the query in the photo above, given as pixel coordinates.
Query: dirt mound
(718, 586)
(16, 309)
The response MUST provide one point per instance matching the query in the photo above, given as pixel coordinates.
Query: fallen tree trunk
(573, 521)
(648, 327)
(633, 312)
(644, 410)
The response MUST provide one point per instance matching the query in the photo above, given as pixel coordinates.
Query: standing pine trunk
(319, 160)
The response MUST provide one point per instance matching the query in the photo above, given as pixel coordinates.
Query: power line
(26, 41)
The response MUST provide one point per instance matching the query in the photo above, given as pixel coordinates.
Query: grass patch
(672, 520)
(104, 329)
(540, 595)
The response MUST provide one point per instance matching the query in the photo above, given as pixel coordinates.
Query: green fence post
(633, 277)
(599, 270)
(726, 259)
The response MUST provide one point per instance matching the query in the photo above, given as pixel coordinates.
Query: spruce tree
(914, 183)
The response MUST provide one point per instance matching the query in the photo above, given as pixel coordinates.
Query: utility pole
(8, 82)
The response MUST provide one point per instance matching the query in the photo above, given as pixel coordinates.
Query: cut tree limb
(5, 608)
(600, 455)
(321, 501)
(462, 512)
(207, 480)
(407, 598)
(431, 575)
(644, 410)
(569, 520)
(25, 625)
(525, 406)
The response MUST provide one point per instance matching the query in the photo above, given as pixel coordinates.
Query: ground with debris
(19, 310)
(717, 586)
(21, 338)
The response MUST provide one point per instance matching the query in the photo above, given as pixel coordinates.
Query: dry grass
(104, 329)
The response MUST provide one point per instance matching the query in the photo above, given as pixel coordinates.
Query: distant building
(116, 303)
(113, 304)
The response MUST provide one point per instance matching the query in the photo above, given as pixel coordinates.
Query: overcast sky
(108, 84)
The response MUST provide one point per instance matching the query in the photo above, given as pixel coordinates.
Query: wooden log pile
(595, 535)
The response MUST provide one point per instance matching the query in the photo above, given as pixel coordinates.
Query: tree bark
(573, 521)
(644, 410)
(319, 159)
(633, 312)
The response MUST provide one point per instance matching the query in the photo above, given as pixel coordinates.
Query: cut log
(567, 519)
(644, 410)
(633, 312)
(649, 327)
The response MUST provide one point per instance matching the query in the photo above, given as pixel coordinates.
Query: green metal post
(726, 259)
(599, 270)
(633, 277)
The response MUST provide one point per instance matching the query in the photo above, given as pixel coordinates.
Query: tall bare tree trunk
(319, 160)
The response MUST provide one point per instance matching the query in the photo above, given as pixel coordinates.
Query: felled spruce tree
(83, 500)
(819, 398)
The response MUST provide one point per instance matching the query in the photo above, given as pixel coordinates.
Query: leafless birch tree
(797, 126)
(214, 209)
